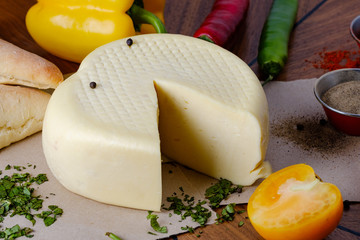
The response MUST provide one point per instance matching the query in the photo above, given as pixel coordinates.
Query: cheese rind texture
(188, 99)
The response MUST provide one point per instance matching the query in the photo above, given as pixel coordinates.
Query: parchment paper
(294, 112)
(334, 156)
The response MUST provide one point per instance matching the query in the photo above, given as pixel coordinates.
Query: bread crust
(22, 112)
(20, 67)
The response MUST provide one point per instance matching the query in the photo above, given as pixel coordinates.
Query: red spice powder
(337, 59)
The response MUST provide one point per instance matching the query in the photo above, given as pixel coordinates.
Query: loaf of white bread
(22, 104)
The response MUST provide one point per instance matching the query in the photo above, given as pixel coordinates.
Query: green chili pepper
(275, 35)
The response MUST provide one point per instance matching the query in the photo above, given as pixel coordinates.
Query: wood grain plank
(228, 230)
(231, 230)
(327, 28)
(184, 17)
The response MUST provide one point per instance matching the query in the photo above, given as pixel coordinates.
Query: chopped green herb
(240, 211)
(187, 228)
(19, 168)
(241, 223)
(227, 214)
(220, 191)
(49, 220)
(56, 210)
(40, 178)
(154, 223)
(15, 232)
(151, 233)
(176, 205)
(17, 198)
(201, 214)
(186, 208)
(112, 236)
(49, 217)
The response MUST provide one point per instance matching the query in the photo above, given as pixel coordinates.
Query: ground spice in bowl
(342, 103)
(344, 97)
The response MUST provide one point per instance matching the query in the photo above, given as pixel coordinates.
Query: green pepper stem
(270, 77)
(206, 38)
(139, 15)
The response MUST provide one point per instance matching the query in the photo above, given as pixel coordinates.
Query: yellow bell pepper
(294, 204)
(71, 29)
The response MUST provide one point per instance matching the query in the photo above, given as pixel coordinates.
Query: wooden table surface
(320, 24)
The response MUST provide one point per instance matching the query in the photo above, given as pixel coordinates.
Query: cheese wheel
(170, 94)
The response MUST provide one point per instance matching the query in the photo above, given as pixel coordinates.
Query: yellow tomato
(293, 203)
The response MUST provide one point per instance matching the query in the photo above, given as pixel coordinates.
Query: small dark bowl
(355, 29)
(348, 123)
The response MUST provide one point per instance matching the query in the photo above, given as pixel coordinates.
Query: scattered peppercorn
(299, 127)
(92, 85)
(323, 122)
(239, 189)
(314, 138)
(346, 205)
(129, 42)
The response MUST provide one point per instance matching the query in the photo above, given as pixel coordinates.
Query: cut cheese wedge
(183, 97)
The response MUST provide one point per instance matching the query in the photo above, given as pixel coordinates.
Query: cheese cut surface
(204, 103)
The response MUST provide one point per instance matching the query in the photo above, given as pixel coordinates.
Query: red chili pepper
(222, 20)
